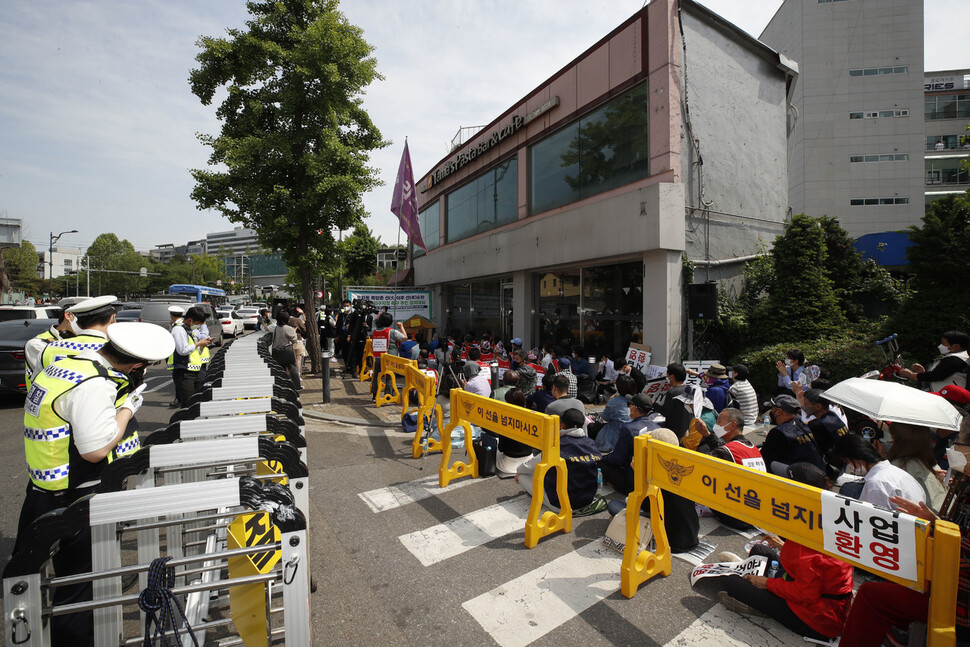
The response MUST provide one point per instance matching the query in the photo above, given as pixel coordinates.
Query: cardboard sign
(697, 365)
(638, 356)
(881, 539)
(755, 565)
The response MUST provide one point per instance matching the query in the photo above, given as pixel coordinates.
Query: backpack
(585, 389)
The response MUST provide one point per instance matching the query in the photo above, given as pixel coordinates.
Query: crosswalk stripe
(395, 496)
(530, 606)
(469, 531)
(719, 627)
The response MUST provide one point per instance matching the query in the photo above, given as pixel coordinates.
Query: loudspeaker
(702, 300)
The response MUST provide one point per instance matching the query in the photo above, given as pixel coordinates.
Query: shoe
(727, 556)
(174, 404)
(737, 606)
(598, 505)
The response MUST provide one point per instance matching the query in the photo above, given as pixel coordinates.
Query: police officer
(76, 421)
(175, 316)
(34, 348)
(790, 441)
(91, 319)
(191, 353)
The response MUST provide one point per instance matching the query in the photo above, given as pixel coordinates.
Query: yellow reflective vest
(195, 360)
(52, 463)
(47, 336)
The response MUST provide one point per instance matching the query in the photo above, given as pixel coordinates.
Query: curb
(316, 415)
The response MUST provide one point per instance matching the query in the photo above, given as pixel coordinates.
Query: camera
(365, 306)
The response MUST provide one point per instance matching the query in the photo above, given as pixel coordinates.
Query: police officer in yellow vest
(175, 315)
(63, 329)
(76, 420)
(92, 318)
(191, 354)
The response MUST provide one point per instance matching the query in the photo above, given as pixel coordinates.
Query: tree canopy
(20, 264)
(291, 159)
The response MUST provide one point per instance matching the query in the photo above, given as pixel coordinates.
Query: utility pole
(50, 258)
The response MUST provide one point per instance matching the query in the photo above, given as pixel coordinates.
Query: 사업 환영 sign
(881, 539)
(754, 565)
(403, 304)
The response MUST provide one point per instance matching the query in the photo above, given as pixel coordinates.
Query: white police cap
(142, 340)
(67, 302)
(93, 306)
(176, 310)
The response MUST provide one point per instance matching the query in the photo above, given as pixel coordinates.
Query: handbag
(486, 451)
(615, 537)
(282, 354)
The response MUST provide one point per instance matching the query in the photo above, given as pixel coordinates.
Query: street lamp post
(50, 259)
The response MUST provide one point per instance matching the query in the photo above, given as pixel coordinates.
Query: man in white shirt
(883, 479)
(474, 380)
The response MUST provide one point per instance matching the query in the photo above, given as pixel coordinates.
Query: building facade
(857, 128)
(66, 260)
(947, 110)
(237, 241)
(568, 216)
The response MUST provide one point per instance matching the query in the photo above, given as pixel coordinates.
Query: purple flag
(404, 202)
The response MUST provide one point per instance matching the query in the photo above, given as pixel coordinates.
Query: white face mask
(196, 326)
(855, 471)
(719, 431)
(788, 362)
(944, 350)
(957, 459)
(76, 328)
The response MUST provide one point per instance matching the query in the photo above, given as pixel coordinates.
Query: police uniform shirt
(90, 408)
(34, 348)
(183, 344)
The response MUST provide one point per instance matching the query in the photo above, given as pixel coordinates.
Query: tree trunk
(312, 331)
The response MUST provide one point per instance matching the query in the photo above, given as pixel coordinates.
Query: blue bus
(199, 293)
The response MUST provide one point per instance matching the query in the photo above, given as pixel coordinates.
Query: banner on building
(402, 304)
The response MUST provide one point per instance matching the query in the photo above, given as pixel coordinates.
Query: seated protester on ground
(826, 426)
(682, 416)
(527, 374)
(561, 367)
(716, 380)
(542, 398)
(427, 359)
(509, 380)
(790, 370)
(680, 514)
(813, 597)
(744, 393)
(615, 414)
(475, 380)
(581, 458)
(512, 453)
(616, 465)
(606, 374)
(624, 367)
(879, 606)
(883, 479)
(560, 390)
(949, 369)
(578, 362)
(473, 353)
(384, 339)
(911, 449)
(547, 355)
(404, 348)
(790, 440)
(443, 399)
(665, 403)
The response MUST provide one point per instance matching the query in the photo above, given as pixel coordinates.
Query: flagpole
(396, 268)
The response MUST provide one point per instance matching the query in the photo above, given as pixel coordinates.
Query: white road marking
(719, 627)
(468, 531)
(528, 607)
(395, 496)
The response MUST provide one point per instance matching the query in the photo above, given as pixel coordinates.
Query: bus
(199, 293)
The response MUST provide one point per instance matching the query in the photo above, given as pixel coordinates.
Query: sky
(98, 126)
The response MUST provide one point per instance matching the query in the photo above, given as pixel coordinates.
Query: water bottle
(766, 421)
(599, 478)
(773, 569)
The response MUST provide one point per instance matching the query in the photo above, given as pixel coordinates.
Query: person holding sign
(813, 597)
(382, 340)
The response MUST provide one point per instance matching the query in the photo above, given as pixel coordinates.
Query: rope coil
(159, 605)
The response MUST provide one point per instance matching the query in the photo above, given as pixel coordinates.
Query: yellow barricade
(427, 411)
(247, 602)
(367, 361)
(791, 510)
(533, 429)
(391, 367)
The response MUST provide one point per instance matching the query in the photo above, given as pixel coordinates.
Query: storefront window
(601, 151)
(484, 203)
(473, 308)
(428, 220)
(557, 306)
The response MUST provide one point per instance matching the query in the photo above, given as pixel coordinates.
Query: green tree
(360, 255)
(940, 300)
(295, 140)
(801, 301)
(115, 267)
(20, 264)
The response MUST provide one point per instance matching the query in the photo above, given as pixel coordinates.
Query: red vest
(747, 456)
(380, 339)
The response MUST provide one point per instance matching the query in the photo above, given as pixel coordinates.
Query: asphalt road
(450, 568)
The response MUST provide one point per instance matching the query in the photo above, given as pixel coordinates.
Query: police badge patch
(34, 397)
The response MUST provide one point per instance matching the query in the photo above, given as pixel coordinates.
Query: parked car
(232, 323)
(156, 311)
(9, 313)
(13, 336)
(249, 316)
(128, 315)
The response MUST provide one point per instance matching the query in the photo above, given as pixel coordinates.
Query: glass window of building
(948, 106)
(601, 151)
(428, 219)
(557, 306)
(474, 308)
(484, 203)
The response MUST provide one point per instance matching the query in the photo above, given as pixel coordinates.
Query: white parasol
(894, 402)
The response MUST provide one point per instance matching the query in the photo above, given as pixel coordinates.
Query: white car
(10, 313)
(249, 317)
(232, 323)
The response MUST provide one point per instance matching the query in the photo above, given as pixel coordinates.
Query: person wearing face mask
(189, 354)
(91, 319)
(882, 479)
(910, 448)
(790, 370)
(949, 369)
(744, 393)
(77, 419)
(34, 348)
